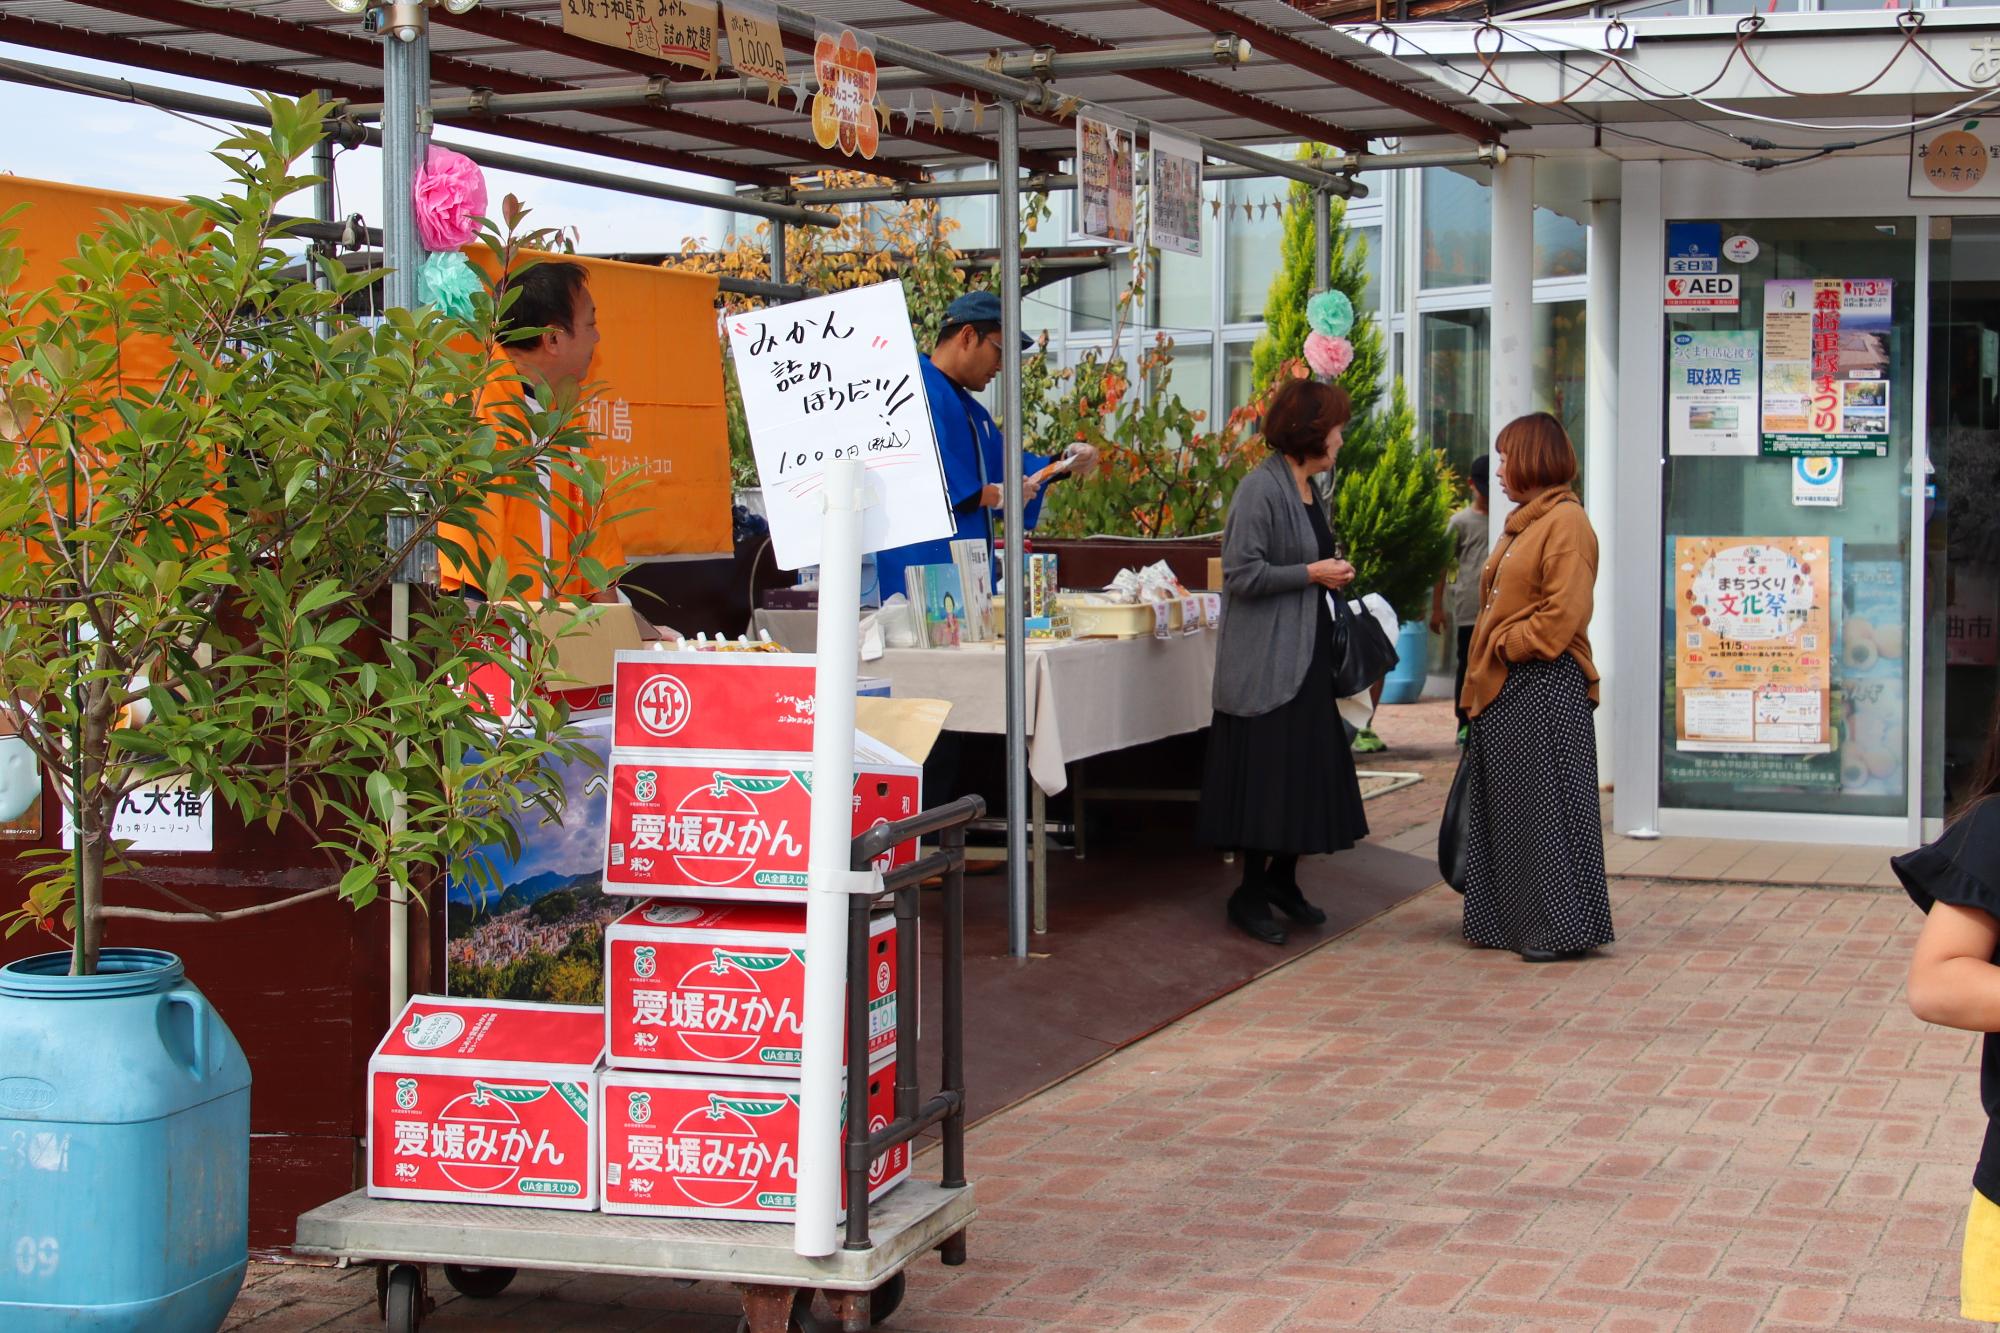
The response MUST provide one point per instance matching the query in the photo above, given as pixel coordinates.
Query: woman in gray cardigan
(1279, 782)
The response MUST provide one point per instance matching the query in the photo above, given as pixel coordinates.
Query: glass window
(973, 215)
(1560, 354)
(1184, 290)
(1191, 377)
(1717, 502)
(1753, 6)
(1562, 245)
(1236, 374)
(1251, 246)
(1879, 4)
(1456, 383)
(1457, 227)
(1648, 9)
(1370, 238)
(1093, 297)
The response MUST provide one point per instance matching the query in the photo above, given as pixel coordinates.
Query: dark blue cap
(977, 308)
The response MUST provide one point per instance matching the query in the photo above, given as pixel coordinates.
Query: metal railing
(947, 1109)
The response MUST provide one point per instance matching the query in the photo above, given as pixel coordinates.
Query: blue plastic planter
(1405, 685)
(124, 1149)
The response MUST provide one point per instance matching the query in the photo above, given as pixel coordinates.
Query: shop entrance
(1962, 537)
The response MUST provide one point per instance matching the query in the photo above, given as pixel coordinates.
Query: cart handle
(878, 840)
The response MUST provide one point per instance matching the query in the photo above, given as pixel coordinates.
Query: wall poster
(1106, 159)
(1753, 644)
(1173, 203)
(1826, 366)
(1712, 393)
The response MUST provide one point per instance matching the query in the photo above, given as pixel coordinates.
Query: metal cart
(481, 1247)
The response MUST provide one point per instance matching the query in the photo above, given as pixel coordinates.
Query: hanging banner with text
(1753, 645)
(682, 31)
(1173, 201)
(844, 107)
(1826, 366)
(756, 46)
(831, 378)
(1106, 158)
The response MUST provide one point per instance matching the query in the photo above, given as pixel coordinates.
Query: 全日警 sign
(832, 378)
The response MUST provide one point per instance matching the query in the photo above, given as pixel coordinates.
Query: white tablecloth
(1085, 696)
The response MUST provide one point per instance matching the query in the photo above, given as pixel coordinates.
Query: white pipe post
(1600, 442)
(815, 1229)
(1511, 350)
(1009, 285)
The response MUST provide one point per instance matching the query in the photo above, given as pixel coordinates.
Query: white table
(1085, 697)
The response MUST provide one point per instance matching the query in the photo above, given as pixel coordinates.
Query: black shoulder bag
(1362, 652)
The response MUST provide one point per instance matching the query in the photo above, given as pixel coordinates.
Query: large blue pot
(124, 1149)
(1405, 685)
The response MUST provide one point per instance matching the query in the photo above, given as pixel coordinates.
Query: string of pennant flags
(847, 109)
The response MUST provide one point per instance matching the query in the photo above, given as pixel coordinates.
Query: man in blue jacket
(967, 357)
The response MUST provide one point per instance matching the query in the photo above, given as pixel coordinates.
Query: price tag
(1162, 619)
(1191, 616)
(1211, 605)
(756, 47)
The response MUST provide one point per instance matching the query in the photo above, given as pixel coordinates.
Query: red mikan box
(714, 701)
(720, 989)
(691, 1145)
(486, 1101)
(733, 826)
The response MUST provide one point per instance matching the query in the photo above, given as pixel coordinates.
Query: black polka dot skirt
(1534, 838)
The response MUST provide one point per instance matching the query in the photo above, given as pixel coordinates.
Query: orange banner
(658, 411)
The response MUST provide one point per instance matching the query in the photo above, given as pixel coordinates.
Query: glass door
(1962, 529)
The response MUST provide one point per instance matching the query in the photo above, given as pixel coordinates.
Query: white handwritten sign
(831, 378)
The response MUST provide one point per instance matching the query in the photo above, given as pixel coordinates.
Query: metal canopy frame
(1269, 74)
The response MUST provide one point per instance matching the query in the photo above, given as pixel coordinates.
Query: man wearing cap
(967, 357)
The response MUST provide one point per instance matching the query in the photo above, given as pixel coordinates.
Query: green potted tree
(202, 463)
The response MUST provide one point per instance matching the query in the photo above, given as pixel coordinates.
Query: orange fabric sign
(658, 411)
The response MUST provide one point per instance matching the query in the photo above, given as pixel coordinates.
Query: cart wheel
(886, 1299)
(403, 1310)
(481, 1284)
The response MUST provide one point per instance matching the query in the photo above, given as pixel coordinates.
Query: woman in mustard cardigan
(1534, 836)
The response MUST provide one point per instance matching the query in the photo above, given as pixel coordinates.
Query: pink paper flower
(1329, 357)
(450, 195)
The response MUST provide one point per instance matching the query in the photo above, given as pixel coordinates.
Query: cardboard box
(714, 701)
(585, 655)
(688, 1145)
(487, 1101)
(707, 988)
(730, 826)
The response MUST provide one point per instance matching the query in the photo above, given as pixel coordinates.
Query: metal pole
(249, 113)
(1322, 240)
(322, 166)
(1009, 289)
(777, 238)
(405, 82)
(1192, 53)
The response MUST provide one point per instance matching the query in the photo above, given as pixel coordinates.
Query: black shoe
(1250, 916)
(1550, 955)
(1287, 898)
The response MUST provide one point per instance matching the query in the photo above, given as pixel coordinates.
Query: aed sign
(1696, 293)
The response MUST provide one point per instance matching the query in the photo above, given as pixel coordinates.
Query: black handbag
(1362, 653)
(1451, 828)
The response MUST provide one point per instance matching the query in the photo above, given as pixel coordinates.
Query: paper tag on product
(1192, 619)
(1162, 620)
(1211, 606)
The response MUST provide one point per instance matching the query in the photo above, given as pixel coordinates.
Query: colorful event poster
(1173, 202)
(1106, 158)
(536, 931)
(1712, 392)
(1753, 644)
(1871, 676)
(1826, 366)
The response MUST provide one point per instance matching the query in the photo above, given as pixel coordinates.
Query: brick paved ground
(1729, 1121)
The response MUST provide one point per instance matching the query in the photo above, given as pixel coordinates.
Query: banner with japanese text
(1826, 366)
(1754, 624)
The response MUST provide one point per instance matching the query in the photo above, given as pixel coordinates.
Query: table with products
(1085, 697)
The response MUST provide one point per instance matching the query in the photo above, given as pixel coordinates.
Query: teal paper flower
(447, 281)
(1330, 313)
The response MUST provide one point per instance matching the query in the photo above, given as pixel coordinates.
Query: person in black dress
(1279, 781)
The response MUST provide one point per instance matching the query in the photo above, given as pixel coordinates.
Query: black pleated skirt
(1284, 781)
(1534, 831)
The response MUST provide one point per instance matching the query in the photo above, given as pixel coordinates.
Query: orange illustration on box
(844, 107)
